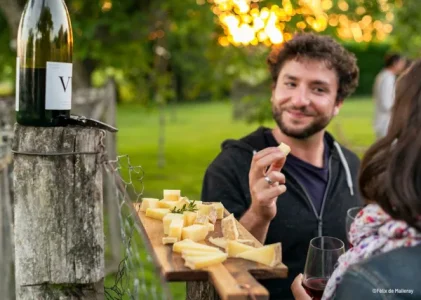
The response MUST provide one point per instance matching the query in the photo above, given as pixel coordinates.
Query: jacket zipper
(319, 217)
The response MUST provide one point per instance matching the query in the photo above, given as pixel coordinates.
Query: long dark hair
(390, 172)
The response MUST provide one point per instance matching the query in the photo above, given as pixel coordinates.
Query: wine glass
(322, 256)
(350, 217)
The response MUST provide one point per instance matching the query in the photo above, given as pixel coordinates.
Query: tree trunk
(59, 237)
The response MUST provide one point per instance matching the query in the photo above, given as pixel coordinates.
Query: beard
(319, 123)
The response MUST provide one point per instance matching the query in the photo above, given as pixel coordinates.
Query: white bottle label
(58, 87)
(17, 84)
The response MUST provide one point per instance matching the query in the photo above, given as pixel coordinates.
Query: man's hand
(297, 289)
(266, 182)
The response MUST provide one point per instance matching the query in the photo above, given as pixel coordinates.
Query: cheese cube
(166, 204)
(168, 219)
(234, 248)
(189, 217)
(285, 149)
(157, 213)
(220, 209)
(211, 227)
(220, 242)
(169, 240)
(229, 228)
(149, 203)
(179, 204)
(270, 255)
(199, 262)
(172, 195)
(201, 219)
(195, 232)
(190, 245)
(176, 228)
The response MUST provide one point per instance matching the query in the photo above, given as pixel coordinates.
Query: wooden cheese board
(233, 279)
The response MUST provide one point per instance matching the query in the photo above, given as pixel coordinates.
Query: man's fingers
(268, 196)
(259, 165)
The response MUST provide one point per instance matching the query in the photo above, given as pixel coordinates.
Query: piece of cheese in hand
(285, 149)
(168, 219)
(157, 213)
(234, 248)
(199, 262)
(270, 255)
(176, 228)
(229, 228)
(195, 232)
(169, 240)
(149, 203)
(172, 195)
(190, 245)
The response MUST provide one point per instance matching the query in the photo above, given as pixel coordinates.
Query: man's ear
(338, 106)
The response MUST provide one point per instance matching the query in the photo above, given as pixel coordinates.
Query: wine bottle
(44, 64)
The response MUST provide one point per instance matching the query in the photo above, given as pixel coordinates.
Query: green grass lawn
(193, 138)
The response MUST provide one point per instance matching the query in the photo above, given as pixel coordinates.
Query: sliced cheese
(195, 232)
(270, 255)
(149, 203)
(176, 228)
(220, 242)
(189, 217)
(190, 245)
(229, 228)
(191, 253)
(172, 195)
(285, 149)
(157, 213)
(168, 219)
(199, 262)
(234, 248)
(169, 240)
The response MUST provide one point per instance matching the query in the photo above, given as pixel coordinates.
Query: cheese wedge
(157, 213)
(269, 255)
(149, 203)
(219, 210)
(168, 218)
(195, 232)
(200, 262)
(285, 149)
(220, 242)
(189, 217)
(234, 248)
(172, 195)
(176, 228)
(169, 240)
(247, 242)
(201, 219)
(190, 245)
(229, 228)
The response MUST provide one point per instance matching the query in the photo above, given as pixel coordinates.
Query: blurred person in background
(384, 92)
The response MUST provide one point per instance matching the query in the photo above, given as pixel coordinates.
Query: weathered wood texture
(59, 239)
(234, 279)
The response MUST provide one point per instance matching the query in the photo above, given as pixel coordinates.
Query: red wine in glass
(315, 287)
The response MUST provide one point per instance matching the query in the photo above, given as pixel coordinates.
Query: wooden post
(6, 252)
(59, 239)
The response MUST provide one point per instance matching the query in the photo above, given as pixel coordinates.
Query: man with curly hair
(292, 200)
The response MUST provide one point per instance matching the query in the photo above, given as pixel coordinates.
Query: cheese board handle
(244, 287)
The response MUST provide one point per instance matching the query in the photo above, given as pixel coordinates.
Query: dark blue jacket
(296, 221)
(390, 276)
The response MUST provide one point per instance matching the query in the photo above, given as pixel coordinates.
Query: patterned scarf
(372, 232)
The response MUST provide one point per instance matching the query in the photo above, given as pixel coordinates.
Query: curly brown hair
(318, 47)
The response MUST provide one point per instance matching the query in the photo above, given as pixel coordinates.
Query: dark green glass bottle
(44, 64)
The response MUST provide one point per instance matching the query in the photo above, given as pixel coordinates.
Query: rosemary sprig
(190, 207)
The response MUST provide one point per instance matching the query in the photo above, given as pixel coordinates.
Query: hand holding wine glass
(322, 256)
